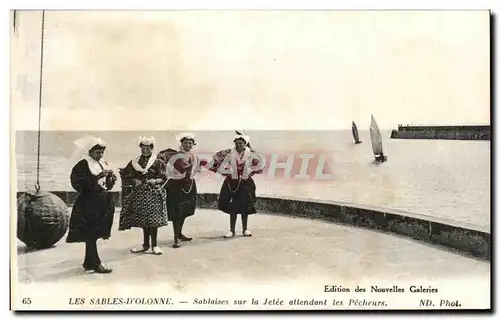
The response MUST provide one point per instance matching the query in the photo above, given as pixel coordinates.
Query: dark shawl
(92, 213)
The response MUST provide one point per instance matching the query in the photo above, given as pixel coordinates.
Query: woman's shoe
(87, 268)
(157, 250)
(184, 238)
(230, 234)
(102, 269)
(247, 233)
(138, 250)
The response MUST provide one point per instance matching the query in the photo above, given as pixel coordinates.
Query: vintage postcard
(250, 160)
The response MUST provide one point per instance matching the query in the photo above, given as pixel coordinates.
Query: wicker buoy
(42, 219)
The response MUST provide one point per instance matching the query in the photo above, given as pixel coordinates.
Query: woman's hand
(137, 182)
(110, 181)
(102, 174)
(256, 172)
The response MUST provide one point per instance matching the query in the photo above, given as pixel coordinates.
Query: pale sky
(199, 70)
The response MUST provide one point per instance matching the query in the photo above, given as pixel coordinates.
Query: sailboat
(376, 139)
(355, 133)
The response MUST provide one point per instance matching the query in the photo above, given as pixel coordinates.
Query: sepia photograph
(211, 160)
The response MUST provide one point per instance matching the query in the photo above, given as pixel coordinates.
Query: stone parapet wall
(468, 239)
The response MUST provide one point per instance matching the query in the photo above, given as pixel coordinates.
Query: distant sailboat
(376, 139)
(355, 133)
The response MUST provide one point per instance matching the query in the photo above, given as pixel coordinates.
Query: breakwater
(464, 238)
(442, 132)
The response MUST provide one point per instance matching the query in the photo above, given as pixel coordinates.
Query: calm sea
(445, 179)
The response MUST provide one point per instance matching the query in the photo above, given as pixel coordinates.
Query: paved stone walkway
(281, 247)
(282, 250)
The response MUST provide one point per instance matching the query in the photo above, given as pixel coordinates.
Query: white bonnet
(146, 141)
(185, 135)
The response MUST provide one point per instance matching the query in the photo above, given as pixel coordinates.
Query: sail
(375, 137)
(355, 132)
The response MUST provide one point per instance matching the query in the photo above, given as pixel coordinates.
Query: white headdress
(146, 141)
(83, 146)
(246, 154)
(245, 137)
(184, 135)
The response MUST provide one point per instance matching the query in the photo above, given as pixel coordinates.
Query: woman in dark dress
(181, 186)
(145, 206)
(92, 214)
(237, 194)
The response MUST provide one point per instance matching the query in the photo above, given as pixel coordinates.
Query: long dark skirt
(144, 208)
(91, 217)
(181, 199)
(237, 196)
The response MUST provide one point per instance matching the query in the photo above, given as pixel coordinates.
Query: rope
(37, 185)
(14, 22)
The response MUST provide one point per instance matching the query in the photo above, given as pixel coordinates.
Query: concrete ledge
(465, 238)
